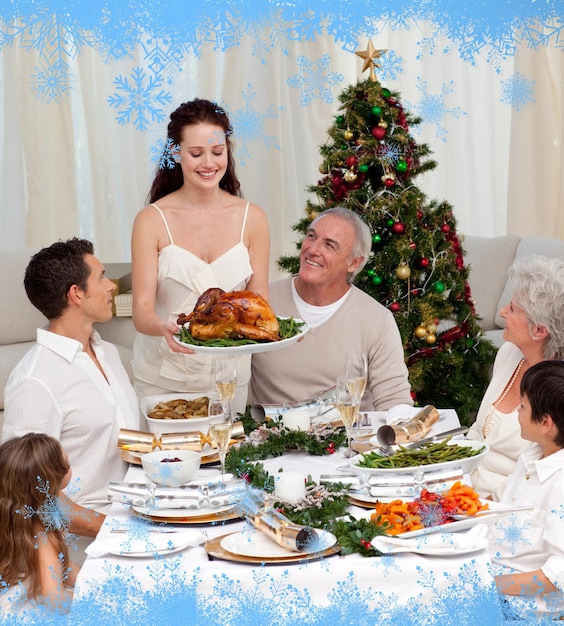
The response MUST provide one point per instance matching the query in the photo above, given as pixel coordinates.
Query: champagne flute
(225, 372)
(220, 427)
(356, 373)
(347, 404)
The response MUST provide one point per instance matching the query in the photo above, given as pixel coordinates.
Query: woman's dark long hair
(197, 111)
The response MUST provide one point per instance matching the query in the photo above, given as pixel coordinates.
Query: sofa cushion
(19, 317)
(488, 259)
(528, 246)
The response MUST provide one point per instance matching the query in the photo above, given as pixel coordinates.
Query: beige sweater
(310, 366)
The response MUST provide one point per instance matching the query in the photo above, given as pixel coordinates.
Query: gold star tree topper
(370, 55)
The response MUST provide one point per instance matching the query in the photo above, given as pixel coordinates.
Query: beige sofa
(489, 259)
(19, 319)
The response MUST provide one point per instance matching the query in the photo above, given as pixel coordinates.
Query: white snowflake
(314, 80)
(248, 125)
(517, 91)
(432, 107)
(139, 99)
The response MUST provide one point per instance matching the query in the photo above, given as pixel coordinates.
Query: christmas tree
(416, 268)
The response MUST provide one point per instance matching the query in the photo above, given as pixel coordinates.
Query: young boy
(531, 544)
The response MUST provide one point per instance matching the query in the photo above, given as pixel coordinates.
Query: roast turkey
(231, 315)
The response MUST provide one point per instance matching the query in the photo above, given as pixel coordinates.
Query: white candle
(296, 419)
(289, 486)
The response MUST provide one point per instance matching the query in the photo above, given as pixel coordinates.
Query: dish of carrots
(430, 509)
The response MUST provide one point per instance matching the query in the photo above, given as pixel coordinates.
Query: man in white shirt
(71, 384)
(342, 319)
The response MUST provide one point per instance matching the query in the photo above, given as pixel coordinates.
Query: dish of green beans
(462, 454)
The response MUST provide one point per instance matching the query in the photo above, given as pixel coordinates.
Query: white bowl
(464, 465)
(192, 424)
(171, 473)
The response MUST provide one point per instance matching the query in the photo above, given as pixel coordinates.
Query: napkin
(149, 542)
(439, 543)
(401, 413)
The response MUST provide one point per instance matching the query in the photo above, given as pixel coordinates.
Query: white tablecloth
(187, 588)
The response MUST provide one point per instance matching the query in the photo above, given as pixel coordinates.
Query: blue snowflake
(391, 66)
(512, 534)
(248, 125)
(314, 80)
(390, 153)
(52, 82)
(139, 99)
(517, 91)
(432, 107)
(162, 58)
(165, 153)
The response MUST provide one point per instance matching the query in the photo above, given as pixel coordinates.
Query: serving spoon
(386, 436)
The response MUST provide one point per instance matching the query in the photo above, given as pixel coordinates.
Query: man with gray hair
(342, 319)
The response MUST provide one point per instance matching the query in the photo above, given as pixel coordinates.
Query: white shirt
(529, 540)
(315, 315)
(58, 390)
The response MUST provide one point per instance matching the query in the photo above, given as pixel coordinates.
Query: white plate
(250, 348)
(255, 543)
(150, 553)
(180, 513)
(465, 465)
(447, 544)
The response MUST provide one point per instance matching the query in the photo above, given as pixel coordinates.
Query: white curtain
(68, 167)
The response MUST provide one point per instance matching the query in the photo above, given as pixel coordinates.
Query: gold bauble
(420, 332)
(432, 328)
(430, 338)
(403, 272)
(350, 176)
(324, 168)
(348, 134)
(383, 123)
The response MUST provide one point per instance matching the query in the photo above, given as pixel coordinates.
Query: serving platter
(215, 550)
(248, 348)
(465, 465)
(135, 457)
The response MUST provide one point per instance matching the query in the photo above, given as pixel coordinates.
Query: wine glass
(356, 373)
(220, 427)
(347, 404)
(225, 372)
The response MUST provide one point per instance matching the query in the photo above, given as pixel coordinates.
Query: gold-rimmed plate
(217, 516)
(217, 551)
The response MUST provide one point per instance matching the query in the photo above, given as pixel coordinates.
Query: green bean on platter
(289, 327)
(427, 454)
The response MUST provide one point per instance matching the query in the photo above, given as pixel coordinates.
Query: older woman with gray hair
(534, 332)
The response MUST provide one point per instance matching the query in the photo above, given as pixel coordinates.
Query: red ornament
(394, 307)
(419, 214)
(445, 228)
(389, 182)
(331, 448)
(412, 245)
(350, 161)
(398, 228)
(423, 263)
(378, 132)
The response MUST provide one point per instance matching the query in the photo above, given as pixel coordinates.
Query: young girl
(34, 564)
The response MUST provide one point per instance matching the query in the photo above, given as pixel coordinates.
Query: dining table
(188, 585)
